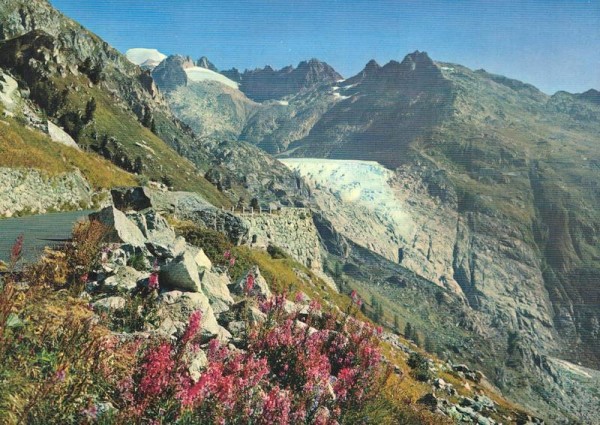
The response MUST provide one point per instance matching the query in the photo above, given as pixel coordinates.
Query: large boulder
(167, 251)
(58, 135)
(158, 229)
(215, 288)
(131, 198)
(120, 228)
(181, 273)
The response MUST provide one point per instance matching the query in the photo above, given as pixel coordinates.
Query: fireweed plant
(61, 363)
(311, 368)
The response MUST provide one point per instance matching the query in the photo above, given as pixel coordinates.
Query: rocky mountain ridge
(270, 84)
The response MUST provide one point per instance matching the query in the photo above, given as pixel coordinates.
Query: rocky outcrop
(203, 62)
(58, 135)
(215, 288)
(131, 198)
(121, 229)
(253, 283)
(182, 273)
(170, 73)
(35, 192)
(175, 310)
(390, 107)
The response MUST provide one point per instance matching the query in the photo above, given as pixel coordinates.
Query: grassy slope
(21, 147)
(160, 160)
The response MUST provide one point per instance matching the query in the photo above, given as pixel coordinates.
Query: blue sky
(554, 45)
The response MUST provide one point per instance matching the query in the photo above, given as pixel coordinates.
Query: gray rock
(429, 400)
(58, 135)
(121, 229)
(158, 230)
(202, 261)
(215, 288)
(181, 273)
(197, 365)
(124, 280)
(110, 304)
(237, 327)
(485, 402)
(167, 250)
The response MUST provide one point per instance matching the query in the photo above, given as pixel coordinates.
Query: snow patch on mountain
(139, 56)
(198, 74)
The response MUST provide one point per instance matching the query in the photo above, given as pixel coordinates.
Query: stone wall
(291, 229)
(25, 192)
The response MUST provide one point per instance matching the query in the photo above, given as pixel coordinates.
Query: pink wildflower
(60, 375)
(355, 298)
(227, 254)
(17, 249)
(276, 407)
(153, 281)
(192, 327)
(232, 262)
(84, 278)
(157, 370)
(249, 283)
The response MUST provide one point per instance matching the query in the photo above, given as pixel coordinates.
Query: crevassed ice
(363, 183)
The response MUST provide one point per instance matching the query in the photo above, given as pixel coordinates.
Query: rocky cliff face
(203, 62)
(382, 111)
(170, 73)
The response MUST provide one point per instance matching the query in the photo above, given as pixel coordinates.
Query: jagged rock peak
(233, 74)
(413, 62)
(203, 62)
(592, 95)
(418, 58)
(371, 69)
(316, 71)
(372, 65)
(170, 73)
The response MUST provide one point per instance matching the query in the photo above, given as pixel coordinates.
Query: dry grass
(21, 147)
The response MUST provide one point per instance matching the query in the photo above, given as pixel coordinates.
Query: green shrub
(420, 367)
(276, 253)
